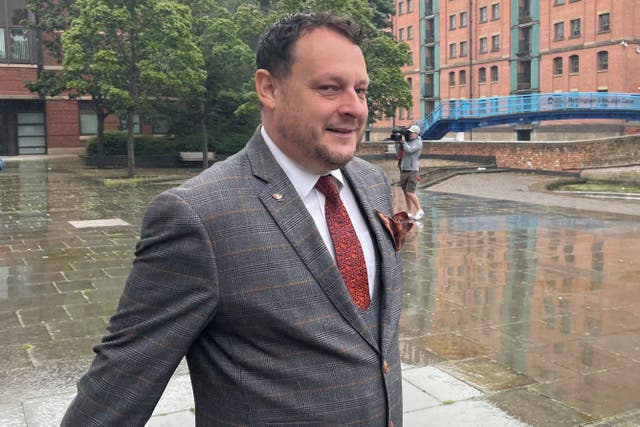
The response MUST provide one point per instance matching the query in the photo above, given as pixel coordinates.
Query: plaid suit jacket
(243, 285)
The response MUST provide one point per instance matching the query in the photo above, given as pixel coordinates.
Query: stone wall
(542, 156)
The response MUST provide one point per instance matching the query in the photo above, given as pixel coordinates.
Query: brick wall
(62, 124)
(12, 81)
(541, 156)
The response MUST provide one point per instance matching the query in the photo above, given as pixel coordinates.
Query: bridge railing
(479, 108)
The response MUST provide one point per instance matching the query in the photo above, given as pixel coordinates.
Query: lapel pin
(278, 197)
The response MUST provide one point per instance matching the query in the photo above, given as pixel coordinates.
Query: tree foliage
(134, 52)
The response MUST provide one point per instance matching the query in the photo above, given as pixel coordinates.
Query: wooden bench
(196, 156)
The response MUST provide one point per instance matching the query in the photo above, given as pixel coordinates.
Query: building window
(494, 73)
(558, 31)
(452, 22)
(88, 118)
(483, 14)
(452, 78)
(604, 23)
(402, 113)
(409, 6)
(557, 66)
(410, 58)
(410, 82)
(410, 32)
(558, 2)
(495, 43)
(483, 45)
(603, 60)
(452, 50)
(409, 113)
(15, 38)
(31, 133)
(462, 78)
(575, 28)
(574, 64)
(495, 11)
(463, 48)
(136, 123)
(482, 75)
(463, 19)
(401, 8)
(401, 34)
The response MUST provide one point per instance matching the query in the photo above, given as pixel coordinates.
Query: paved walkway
(520, 305)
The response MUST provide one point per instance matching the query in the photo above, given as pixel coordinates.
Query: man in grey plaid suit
(235, 268)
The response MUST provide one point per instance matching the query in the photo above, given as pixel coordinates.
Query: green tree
(133, 53)
(228, 62)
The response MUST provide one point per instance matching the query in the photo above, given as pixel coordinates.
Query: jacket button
(385, 367)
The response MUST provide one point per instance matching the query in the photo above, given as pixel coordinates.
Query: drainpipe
(471, 47)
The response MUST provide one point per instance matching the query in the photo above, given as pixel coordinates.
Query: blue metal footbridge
(459, 115)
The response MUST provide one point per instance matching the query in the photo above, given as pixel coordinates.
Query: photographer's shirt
(411, 157)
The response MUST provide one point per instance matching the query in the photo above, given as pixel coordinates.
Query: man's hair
(275, 47)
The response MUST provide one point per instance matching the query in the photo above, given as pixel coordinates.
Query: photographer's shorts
(409, 181)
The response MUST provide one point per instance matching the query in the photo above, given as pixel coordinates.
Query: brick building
(484, 48)
(28, 123)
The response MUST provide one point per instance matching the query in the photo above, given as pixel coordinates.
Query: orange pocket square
(398, 226)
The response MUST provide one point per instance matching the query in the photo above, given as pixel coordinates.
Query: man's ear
(266, 88)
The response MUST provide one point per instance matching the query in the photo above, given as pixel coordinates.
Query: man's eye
(329, 88)
(362, 93)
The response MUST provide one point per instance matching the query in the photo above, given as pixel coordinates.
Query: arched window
(603, 60)
(557, 66)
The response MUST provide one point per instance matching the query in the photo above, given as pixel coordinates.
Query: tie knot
(327, 186)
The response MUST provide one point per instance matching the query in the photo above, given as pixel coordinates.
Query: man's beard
(306, 138)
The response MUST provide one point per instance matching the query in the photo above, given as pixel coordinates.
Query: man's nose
(353, 103)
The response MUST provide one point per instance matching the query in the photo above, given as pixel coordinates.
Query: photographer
(409, 152)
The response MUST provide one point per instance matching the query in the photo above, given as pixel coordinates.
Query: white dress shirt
(304, 182)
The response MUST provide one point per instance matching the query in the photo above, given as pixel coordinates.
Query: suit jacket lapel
(280, 198)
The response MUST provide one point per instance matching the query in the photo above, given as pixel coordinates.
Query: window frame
(601, 28)
(483, 14)
(602, 62)
(558, 66)
(462, 78)
(495, 47)
(495, 11)
(463, 19)
(452, 51)
(558, 31)
(483, 45)
(575, 24)
(494, 74)
(574, 64)
(452, 78)
(482, 75)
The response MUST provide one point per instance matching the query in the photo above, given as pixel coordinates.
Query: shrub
(115, 144)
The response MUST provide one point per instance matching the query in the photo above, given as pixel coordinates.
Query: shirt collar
(301, 179)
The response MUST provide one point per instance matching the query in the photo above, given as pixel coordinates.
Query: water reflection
(543, 291)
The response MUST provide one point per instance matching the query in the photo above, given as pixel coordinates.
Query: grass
(595, 186)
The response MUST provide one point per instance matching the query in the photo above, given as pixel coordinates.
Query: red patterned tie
(349, 255)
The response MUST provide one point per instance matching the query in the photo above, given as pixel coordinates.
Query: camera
(398, 132)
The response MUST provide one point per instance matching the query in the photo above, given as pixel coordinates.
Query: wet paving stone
(74, 286)
(33, 316)
(487, 374)
(24, 335)
(538, 410)
(14, 356)
(15, 304)
(81, 328)
(44, 353)
(89, 311)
